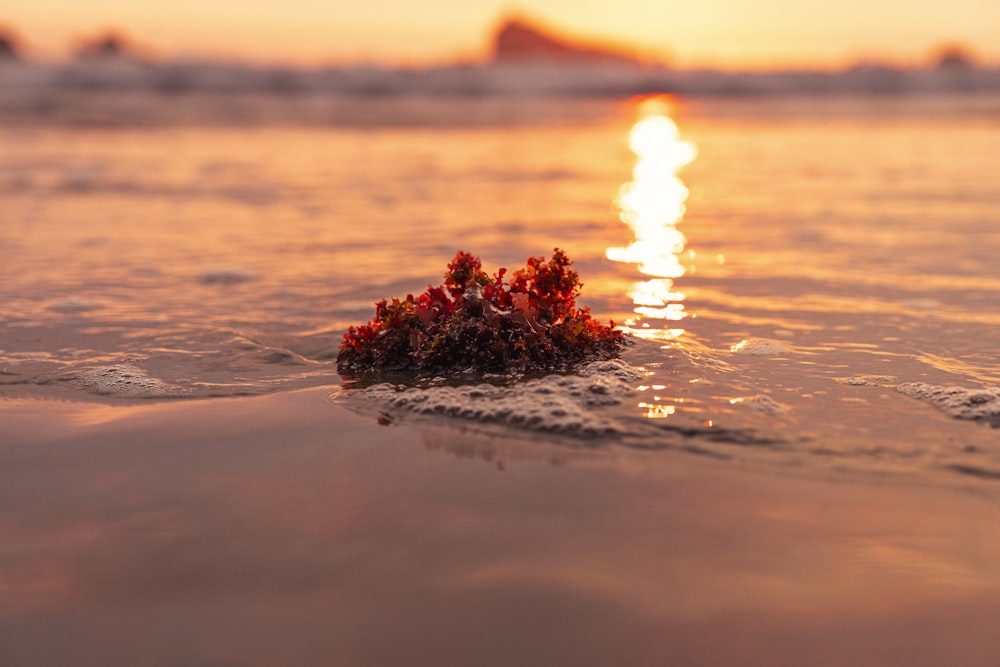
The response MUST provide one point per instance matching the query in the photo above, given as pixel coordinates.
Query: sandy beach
(287, 530)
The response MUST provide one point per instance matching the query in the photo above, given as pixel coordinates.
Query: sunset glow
(725, 34)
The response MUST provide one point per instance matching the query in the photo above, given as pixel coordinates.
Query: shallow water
(833, 250)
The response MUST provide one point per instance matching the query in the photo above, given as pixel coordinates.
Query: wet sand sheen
(285, 529)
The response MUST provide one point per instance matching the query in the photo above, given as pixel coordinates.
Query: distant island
(517, 40)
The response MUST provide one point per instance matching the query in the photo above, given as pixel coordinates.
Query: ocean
(854, 238)
(809, 283)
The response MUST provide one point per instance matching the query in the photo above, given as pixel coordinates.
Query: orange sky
(722, 33)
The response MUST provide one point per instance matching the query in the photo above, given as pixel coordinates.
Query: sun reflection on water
(652, 204)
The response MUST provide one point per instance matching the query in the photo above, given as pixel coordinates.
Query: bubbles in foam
(555, 403)
(123, 380)
(958, 402)
(612, 371)
(759, 347)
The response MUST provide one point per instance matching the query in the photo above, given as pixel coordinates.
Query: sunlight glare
(652, 204)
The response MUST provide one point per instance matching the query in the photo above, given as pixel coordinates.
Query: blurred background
(725, 34)
(384, 47)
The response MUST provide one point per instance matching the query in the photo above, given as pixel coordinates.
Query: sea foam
(960, 402)
(554, 403)
(123, 380)
(760, 347)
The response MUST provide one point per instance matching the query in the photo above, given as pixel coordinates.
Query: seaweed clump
(481, 323)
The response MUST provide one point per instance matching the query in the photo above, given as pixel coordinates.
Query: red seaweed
(482, 323)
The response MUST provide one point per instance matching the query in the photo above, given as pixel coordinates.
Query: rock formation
(517, 41)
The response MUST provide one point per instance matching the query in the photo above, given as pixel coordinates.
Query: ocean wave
(524, 78)
(136, 94)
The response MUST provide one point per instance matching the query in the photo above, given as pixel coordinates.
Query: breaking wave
(120, 89)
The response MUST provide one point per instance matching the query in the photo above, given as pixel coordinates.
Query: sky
(728, 34)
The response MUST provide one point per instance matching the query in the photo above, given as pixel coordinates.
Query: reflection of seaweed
(743, 437)
(482, 323)
(500, 450)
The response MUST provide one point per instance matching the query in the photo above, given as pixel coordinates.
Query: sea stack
(518, 41)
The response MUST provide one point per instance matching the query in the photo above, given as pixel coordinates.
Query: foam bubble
(759, 347)
(123, 380)
(957, 402)
(555, 403)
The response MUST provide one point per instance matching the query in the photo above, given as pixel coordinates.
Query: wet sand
(287, 530)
